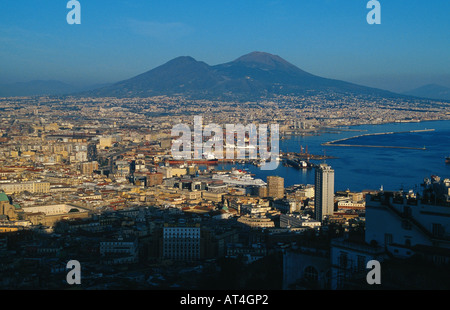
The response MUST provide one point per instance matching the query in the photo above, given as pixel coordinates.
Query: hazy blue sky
(119, 39)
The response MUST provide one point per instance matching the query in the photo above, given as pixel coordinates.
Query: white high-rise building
(324, 192)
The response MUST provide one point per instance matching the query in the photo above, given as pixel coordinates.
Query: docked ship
(239, 178)
(207, 159)
(194, 161)
(299, 164)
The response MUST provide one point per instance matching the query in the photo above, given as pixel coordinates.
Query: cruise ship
(239, 178)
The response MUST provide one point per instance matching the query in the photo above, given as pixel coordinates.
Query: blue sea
(360, 168)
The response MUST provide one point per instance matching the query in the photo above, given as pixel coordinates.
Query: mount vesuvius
(250, 77)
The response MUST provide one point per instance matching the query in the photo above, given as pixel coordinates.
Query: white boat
(239, 179)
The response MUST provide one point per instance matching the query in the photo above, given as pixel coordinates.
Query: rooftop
(3, 197)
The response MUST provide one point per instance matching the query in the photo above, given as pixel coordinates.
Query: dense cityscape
(93, 180)
(215, 153)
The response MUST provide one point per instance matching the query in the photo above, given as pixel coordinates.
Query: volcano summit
(253, 76)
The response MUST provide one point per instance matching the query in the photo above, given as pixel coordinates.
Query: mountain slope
(182, 75)
(431, 91)
(251, 76)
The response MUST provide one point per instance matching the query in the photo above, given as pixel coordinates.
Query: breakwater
(339, 142)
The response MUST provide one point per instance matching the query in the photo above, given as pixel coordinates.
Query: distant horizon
(369, 81)
(117, 40)
(83, 86)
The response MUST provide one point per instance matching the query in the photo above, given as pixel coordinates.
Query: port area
(302, 160)
(289, 159)
(340, 141)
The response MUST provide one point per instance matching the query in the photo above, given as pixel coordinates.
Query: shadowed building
(181, 242)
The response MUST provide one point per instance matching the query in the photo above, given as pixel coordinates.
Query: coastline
(369, 168)
(338, 128)
(338, 142)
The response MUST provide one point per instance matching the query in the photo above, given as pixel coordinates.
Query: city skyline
(224, 146)
(117, 40)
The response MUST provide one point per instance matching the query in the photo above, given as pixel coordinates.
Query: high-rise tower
(275, 187)
(324, 192)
